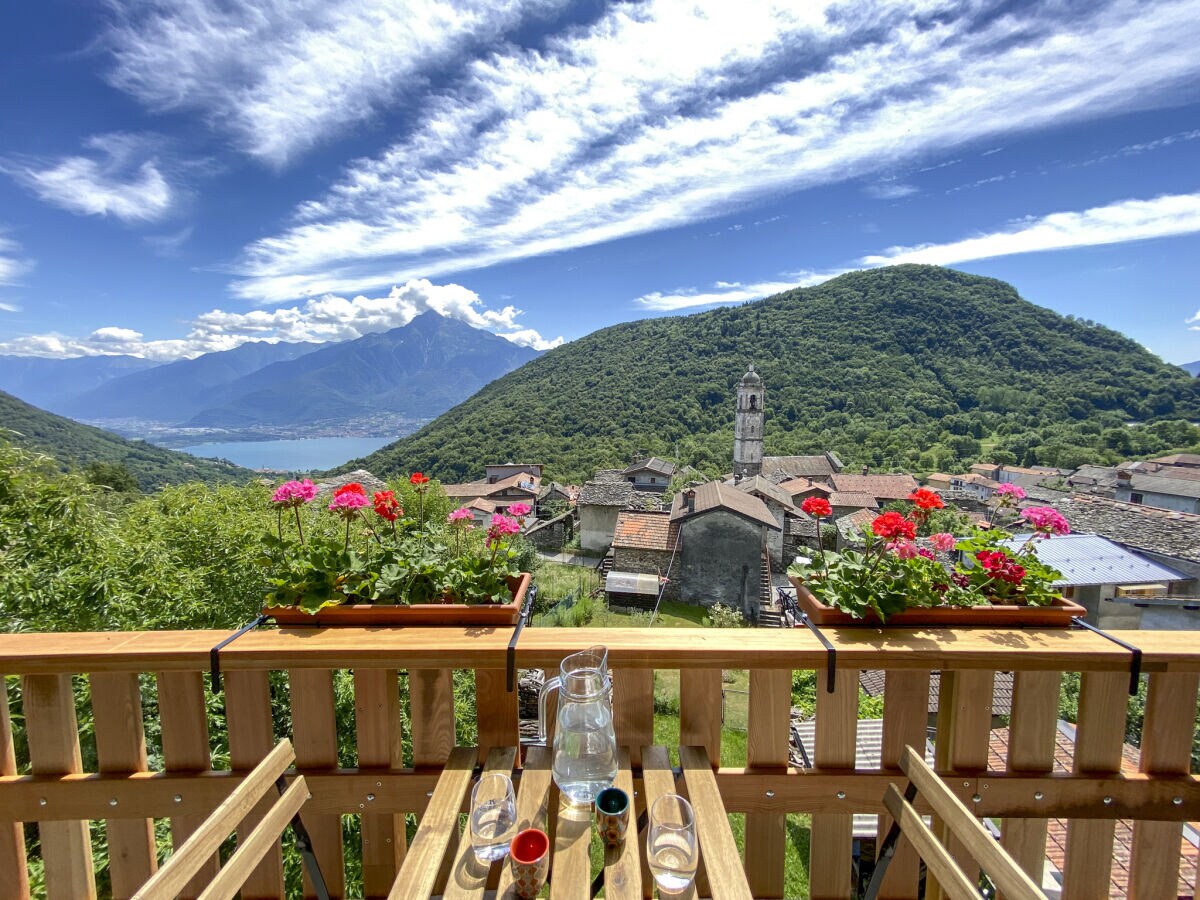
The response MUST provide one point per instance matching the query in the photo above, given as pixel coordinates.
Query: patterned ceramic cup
(529, 856)
(612, 815)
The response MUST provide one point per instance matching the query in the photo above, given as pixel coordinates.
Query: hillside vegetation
(912, 366)
(75, 445)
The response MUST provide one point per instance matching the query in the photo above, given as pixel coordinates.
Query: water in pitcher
(585, 749)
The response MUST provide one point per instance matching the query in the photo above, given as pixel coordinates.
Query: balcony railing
(1021, 793)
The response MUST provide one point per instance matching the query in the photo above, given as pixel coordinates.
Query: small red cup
(529, 856)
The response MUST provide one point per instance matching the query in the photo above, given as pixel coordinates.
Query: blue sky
(179, 176)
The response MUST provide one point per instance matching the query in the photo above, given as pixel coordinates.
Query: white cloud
(725, 292)
(12, 265)
(9, 307)
(1128, 220)
(328, 318)
(169, 245)
(663, 113)
(890, 190)
(283, 75)
(123, 179)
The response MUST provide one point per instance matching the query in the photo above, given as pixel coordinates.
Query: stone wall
(722, 561)
(553, 535)
(649, 562)
(596, 526)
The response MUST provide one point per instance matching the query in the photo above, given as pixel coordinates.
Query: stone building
(646, 542)
(649, 473)
(722, 533)
(779, 503)
(600, 501)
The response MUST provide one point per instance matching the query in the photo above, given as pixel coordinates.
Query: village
(656, 532)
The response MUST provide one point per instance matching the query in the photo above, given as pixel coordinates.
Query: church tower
(748, 426)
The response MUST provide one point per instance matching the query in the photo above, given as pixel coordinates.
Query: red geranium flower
(925, 499)
(352, 488)
(386, 506)
(892, 525)
(817, 507)
(417, 479)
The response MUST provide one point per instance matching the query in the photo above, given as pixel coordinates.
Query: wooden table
(439, 856)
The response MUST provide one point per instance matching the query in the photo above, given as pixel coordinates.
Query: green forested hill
(912, 366)
(75, 444)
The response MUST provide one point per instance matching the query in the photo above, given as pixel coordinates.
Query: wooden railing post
(184, 718)
(905, 721)
(251, 737)
(1033, 727)
(431, 718)
(633, 710)
(1100, 732)
(767, 738)
(831, 845)
(53, 732)
(314, 735)
(1166, 750)
(121, 749)
(700, 703)
(496, 711)
(380, 732)
(14, 875)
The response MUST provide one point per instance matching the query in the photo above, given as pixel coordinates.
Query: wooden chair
(1010, 878)
(185, 862)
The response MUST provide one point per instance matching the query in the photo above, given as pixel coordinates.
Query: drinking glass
(493, 816)
(671, 844)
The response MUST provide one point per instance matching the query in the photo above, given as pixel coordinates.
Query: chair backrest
(185, 862)
(1010, 878)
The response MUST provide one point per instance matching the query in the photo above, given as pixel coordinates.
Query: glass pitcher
(585, 745)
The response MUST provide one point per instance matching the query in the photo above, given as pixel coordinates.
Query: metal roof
(1090, 559)
(631, 583)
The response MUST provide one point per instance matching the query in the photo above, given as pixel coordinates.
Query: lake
(302, 454)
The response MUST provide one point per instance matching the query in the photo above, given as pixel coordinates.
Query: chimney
(689, 500)
(866, 470)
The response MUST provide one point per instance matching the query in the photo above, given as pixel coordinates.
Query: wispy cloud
(283, 75)
(1128, 220)
(890, 190)
(327, 318)
(12, 264)
(169, 245)
(123, 178)
(726, 292)
(661, 114)
(9, 307)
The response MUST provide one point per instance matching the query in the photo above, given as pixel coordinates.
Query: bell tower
(748, 426)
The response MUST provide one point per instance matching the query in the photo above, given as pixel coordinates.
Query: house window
(653, 480)
(1135, 498)
(753, 402)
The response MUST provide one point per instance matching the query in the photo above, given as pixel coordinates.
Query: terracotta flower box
(1057, 615)
(365, 614)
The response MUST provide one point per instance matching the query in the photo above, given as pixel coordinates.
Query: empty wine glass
(493, 816)
(671, 844)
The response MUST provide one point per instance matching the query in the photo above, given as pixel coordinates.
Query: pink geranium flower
(459, 515)
(294, 493)
(943, 542)
(903, 549)
(348, 502)
(520, 509)
(1011, 490)
(1046, 520)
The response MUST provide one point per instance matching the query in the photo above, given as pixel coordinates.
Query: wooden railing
(399, 749)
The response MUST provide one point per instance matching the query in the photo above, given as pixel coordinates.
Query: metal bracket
(1135, 662)
(830, 652)
(304, 845)
(887, 850)
(511, 656)
(214, 655)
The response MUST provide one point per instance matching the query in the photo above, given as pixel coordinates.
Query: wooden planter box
(364, 614)
(1057, 615)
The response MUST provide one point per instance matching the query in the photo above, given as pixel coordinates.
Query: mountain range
(1192, 368)
(914, 367)
(410, 373)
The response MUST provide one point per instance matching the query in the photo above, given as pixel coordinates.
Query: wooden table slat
(622, 864)
(533, 803)
(717, 846)
(469, 877)
(658, 779)
(423, 862)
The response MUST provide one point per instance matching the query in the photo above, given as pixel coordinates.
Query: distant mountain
(51, 383)
(416, 371)
(74, 444)
(913, 367)
(177, 391)
(1192, 368)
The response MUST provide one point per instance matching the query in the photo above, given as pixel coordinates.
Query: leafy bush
(721, 616)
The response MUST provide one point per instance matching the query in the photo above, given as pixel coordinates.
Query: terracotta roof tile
(853, 499)
(638, 530)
